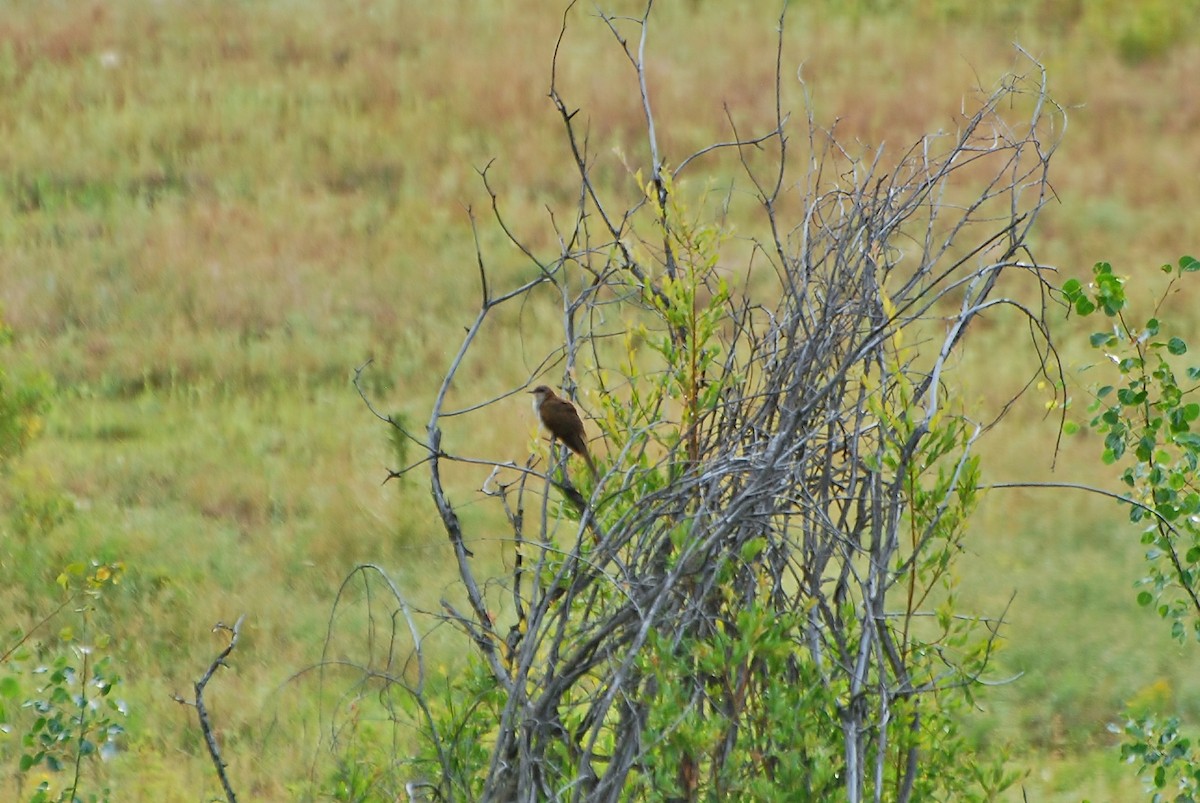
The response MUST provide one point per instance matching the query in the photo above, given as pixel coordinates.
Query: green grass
(210, 213)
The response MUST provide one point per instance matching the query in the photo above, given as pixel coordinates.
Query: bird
(559, 417)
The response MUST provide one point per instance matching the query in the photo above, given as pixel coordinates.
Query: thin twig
(210, 738)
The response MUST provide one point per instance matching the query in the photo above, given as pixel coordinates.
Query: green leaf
(9, 687)
(1131, 396)
(1145, 448)
(1176, 346)
(1189, 440)
(752, 549)
(1084, 307)
(1071, 289)
(1145, 598)
(1102, 339)
(1188, 264)
(1193, 555)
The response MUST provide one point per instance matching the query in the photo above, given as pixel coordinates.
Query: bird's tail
(592, 465)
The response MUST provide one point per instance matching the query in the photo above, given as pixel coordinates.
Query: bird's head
(540, 394)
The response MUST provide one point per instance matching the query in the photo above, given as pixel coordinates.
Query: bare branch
(210, 739)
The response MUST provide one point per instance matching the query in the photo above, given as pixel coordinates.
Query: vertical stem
(83, 682)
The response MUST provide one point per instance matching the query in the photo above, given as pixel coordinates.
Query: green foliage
(1158, 748)
(357, 771)
(790, 746)
(690, 299)
(466, 704)
(57, 695)
(1147, 417)
(939, 485)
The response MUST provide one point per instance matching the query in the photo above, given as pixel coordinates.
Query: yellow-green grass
(211, 213)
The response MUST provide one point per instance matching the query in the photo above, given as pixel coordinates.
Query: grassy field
(211, 212)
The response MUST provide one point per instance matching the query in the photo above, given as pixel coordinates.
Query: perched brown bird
(559, 417)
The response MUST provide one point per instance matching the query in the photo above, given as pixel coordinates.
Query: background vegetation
(211, 212)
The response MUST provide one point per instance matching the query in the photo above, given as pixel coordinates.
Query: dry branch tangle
(819, 491)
